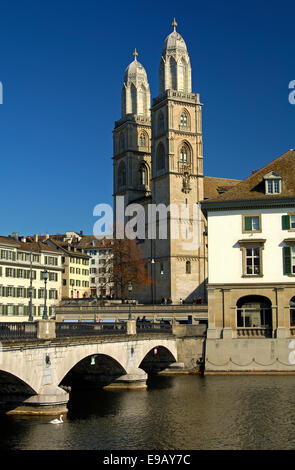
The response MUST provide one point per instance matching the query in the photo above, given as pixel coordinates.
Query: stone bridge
(35, 373)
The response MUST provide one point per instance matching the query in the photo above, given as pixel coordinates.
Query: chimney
(35, 237)
(15, 235)
(47, 236)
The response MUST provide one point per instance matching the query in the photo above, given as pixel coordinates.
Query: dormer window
(273, 183)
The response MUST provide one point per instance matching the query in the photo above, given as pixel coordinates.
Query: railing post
(46, 329)
(131, 327)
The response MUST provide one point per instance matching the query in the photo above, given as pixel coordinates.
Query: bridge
(40, 360)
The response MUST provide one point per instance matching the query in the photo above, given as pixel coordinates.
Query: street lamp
(45, 277)
(129, 290)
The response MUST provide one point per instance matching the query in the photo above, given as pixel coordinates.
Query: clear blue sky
(62, 64)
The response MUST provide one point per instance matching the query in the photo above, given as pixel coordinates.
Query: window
(143, 176)
(184, 120)
(188, 267)
(121, 175)
(142, 140)
(183, 154)
(273, 183)
(289, 260)
(160, 123)
(251, 223)
(252, 257)
(160, 157)
(252, 261)
(288, 222)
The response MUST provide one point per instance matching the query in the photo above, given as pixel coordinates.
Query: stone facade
(173, 163)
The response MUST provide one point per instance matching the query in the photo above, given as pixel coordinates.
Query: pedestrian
(181, 301)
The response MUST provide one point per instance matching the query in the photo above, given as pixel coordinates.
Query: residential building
(19, 259)
(100, 264)
(75, 277)
(251, 264)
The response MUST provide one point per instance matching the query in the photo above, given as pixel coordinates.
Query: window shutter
(287, 259)
(248, 223)
(285, 222)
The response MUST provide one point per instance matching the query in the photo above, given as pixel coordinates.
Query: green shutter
(248, 223)
(287, 259)
(285, 222)
(45, 259)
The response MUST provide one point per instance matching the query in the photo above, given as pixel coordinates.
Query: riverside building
(19, 261)
(251, 265)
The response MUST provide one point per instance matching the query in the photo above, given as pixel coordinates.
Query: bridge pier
(135, 380)
(51, 400)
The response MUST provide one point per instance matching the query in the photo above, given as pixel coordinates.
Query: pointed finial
(174, 24)
(135, 53)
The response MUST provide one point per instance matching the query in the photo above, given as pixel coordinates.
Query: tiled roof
(253, 187)
(213, 187)
(27, 246)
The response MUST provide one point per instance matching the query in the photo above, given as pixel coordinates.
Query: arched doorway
(254, 311)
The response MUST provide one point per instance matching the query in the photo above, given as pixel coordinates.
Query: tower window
(160, 122)
(188, 267)
(183, 120)
(122, 175)
(142, 140)
(160, 157)
(143, 176)
(183, 154)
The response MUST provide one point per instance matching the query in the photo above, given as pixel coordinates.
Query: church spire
(135, 53)
(174, 24)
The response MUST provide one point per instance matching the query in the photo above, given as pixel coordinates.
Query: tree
(128, 266)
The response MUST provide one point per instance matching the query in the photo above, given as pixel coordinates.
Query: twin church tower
(158, 159)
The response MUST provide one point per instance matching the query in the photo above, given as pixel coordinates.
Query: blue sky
(62, 65)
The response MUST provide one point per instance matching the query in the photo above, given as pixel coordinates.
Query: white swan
(57, 421)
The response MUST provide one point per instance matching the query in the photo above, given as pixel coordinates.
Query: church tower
(177, 174)
(132, 137)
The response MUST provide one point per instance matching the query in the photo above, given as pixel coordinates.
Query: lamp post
(152, 273)
(45, 277)
(129, 290)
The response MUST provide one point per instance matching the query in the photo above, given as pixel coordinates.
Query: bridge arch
(161, 345)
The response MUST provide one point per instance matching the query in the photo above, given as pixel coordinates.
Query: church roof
(174, 42)
(135, 71)
(253, 187)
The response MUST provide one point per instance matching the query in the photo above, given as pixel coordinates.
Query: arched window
(254, 311)
(143, 175)
(122, 175)
(142, 140)
(122, 142)
(188, 267)
(133, 99)
(184, 119)
(173, 82)
(160, 157)
(160, 122)
(183, 154)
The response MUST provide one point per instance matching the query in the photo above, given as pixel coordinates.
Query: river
(175, 412)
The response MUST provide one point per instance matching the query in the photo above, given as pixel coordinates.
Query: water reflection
(180, 412)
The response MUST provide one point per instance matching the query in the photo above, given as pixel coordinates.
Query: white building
(251, 253)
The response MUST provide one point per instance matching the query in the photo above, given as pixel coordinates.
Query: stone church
(158, 159)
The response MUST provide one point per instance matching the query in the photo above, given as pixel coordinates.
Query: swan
(57, 421)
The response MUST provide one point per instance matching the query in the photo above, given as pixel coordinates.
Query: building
(251, 265)
(100, 267)
(158, 159)
(18, 259)
(75, 276)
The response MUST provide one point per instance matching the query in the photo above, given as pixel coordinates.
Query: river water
(175, 412)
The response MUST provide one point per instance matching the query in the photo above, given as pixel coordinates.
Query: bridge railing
(17, 330)
(149, 327)
(89, 329)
